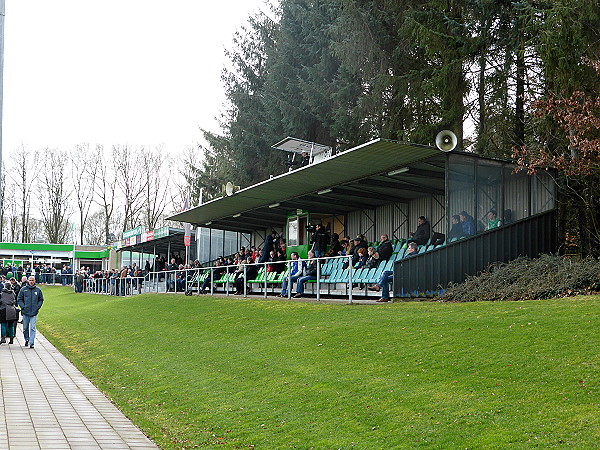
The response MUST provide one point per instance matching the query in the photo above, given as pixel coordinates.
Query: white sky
(137, 72)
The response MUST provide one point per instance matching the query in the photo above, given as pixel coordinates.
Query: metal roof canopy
(175, 238)
(365, 177)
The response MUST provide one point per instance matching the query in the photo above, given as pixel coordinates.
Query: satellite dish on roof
(446, 140)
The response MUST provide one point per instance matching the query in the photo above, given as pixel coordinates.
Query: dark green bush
(545, 277)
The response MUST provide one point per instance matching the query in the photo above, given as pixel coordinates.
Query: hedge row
(545, 277)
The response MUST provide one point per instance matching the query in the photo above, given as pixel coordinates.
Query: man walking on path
(30, 301)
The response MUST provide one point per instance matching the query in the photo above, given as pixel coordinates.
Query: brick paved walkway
(48, 404)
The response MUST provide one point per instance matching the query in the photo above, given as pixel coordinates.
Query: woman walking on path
(8, 313)
(30, 301)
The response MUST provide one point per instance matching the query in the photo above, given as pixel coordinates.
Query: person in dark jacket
(385, 248)
(14, 284)
(319, 239)
(456, 232)
(359, 242)
(217, 272)
(309, 274)
(336, 246)
(268, 245)
(251, 272)
(467, 222)
(30, 301)
(372, 258)
(423, 232)
(362, 258)
(8, 313)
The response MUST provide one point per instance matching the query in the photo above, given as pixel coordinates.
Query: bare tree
(10, 206)
(84, 169)
(187, 185)
(105, 190)
(23, 174)
(184, 185)
(131, 182)
(155, 193)
(54, 197)
(95, 232)
(37, 232)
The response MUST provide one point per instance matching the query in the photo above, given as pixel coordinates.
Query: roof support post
(350, 278)
(265, 267)
(318, 279)
(227, 277)
(289, 285)
(245, 284)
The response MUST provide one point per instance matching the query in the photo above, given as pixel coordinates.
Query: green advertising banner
(161, 232)
(133, 232)
(10, 262)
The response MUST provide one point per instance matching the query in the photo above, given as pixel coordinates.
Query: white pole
(2, 3)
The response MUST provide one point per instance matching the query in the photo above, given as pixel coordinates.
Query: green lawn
(251, 373)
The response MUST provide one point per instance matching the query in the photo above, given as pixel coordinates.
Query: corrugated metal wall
(543, 192)
(516, 188)
(433, 208)
(397, 220)
(392, 220)
(362, 222)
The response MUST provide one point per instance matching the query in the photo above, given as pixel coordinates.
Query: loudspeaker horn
(229, 189)
(446, 140)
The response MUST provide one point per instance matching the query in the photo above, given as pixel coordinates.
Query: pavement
(48, 404)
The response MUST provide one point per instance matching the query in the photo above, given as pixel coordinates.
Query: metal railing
(229, 280)
(47, 277)
(122, 287)
(220, 279)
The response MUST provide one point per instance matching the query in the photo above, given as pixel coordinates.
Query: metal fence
(123, 287)
(222, 279)
(47, 278)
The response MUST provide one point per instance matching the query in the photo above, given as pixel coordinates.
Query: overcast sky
(137, 72)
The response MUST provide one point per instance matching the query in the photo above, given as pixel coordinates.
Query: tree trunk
(520, 100)
(481, 132)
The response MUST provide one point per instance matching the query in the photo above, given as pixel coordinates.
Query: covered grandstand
(382, 187)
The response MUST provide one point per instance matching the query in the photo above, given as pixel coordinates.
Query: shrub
(548, 276)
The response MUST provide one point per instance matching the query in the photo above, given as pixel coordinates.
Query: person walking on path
(8, 313)
(30, 301)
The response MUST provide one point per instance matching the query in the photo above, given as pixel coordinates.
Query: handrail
(179, 280)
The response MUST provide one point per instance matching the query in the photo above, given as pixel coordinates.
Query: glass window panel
(543, 192)
(216, 244)
(231, 243)
(461, 186)
(203, 237)
(489, 194)
(516, 194)
(245, 239)
(292, 232)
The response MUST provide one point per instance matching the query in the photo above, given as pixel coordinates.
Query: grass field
(194, 372)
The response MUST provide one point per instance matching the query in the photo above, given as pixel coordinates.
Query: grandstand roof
(169, 239)
(364, 177)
